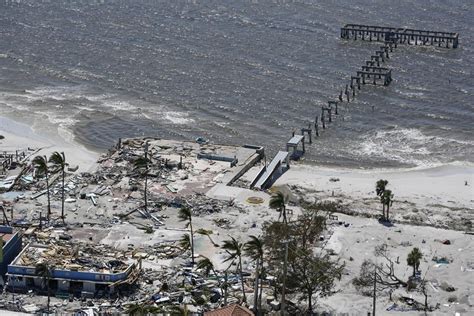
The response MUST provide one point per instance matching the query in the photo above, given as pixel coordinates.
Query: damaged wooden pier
(399, 35)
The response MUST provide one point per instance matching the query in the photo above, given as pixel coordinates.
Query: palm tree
(185, 215)
(234, 252)
(278, 202)
(40, 164)
(142, 165)
(414, 258)
(59, 161)
(379, 190)
(208, 233)
(387, 200)
(380, 186)
(207, 265)
(254, 249)
(185, 242)
(45, 271)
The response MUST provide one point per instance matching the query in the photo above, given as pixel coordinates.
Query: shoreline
(19, 136)
(441, 184)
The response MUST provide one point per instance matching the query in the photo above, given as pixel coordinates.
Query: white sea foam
(178, 117)
(405, 145)
(60, 93)
(118, 105)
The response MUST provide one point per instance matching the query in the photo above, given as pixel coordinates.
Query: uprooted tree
(374, 278)
(383, 274)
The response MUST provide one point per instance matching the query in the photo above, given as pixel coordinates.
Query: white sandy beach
(445, 184)
(19, 136)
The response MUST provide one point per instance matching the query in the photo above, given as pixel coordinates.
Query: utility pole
(375, 289)
(285, 269)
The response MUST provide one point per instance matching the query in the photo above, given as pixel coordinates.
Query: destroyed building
(11, 247)
(76, 269)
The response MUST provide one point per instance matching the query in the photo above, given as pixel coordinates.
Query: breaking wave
(410, 146)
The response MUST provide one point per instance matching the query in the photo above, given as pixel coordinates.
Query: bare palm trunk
(225, 288)
(255, 294)
(217, 276)
(48, 196)
(146, 189)
(192, 240)
(261, 291)
(244, 298)
(62, 198)
(383, 211)
(284, 215)
(388, 209)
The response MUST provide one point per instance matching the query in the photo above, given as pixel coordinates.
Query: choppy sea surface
(239, 72)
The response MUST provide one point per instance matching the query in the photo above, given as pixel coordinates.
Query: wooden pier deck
(399, 35)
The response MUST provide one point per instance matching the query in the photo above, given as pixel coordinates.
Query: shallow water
(239, 72)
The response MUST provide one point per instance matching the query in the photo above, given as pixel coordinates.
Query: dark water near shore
(239, 72)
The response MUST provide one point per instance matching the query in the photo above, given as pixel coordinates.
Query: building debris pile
(75, 257)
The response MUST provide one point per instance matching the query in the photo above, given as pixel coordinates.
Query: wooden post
(285, 268)
(322, 118)
(375, 292)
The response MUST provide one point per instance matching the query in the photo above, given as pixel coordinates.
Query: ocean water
(240, 72)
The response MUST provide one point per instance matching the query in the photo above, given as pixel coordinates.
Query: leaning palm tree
(254, 249)
(234, 252)
(186, 215)
(278, 202)
(45, 272)
(185, 242)
(208, 233)
(59, 161)
(142, 166)
(40, 164)
(414, 258)
(387, 200)
(207, 266)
